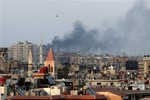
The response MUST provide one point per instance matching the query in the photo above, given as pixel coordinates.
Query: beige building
(4, 65)
(140, 65)
(20, 51)
(146, 63)
(106, 83)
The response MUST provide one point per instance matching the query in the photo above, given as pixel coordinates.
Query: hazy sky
(27, 19)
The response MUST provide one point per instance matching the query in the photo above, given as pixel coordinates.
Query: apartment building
(146, 62)
(20, 51)
(3, 60)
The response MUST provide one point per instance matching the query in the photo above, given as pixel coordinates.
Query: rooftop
(91, 97)
(120, 92)
(50, 56)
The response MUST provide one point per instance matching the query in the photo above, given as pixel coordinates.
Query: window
(111, 84)
(51, 69)
(98, 83)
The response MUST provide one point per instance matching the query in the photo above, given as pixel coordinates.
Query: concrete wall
(104, 82)
(3, 92)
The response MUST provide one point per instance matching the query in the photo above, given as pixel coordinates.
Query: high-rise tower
(146, 63)
(20, 51)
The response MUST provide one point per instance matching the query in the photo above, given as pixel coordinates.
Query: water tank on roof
(42, 70)
(2, 81)
(94, 68)
(141, 86)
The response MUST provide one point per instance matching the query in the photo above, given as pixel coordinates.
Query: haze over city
(114, 26)
(75, 49)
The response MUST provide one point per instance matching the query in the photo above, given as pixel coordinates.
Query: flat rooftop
(91, 97)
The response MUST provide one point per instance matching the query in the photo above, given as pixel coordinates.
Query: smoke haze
(130, 35)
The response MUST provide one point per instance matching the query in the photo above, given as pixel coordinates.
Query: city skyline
(27, 20)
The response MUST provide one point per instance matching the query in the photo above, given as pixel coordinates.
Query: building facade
(50, 63)
(4, 65)
(146, 63)
(131, 65)
(20, 51)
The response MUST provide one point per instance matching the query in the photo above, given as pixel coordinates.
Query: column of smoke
(131, 35)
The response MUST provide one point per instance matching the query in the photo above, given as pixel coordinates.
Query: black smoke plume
(130, 35)
(80, 39)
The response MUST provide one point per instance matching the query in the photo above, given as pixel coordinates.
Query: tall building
(30, 63)
(20, 51)
(50, 63)
(146, 63)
